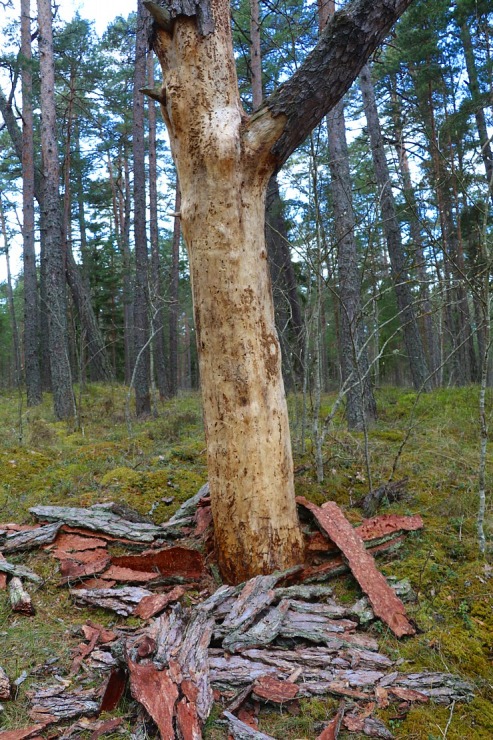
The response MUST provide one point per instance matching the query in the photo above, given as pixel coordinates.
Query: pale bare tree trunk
(225, 160)
(141, 300)
(31, 302)
(61, 378)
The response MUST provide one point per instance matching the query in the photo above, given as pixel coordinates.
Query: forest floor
(157, 464)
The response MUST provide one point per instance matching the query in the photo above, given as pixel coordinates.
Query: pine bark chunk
(386, 605)
(20, 571)
(72, 571)
(241, 731)
(24, 734)
(174, 561)
(387, 525)
(152, 605)
(55, 703)
(120, 600)
(97, 519)
(271, 689)
(29, 539)
(156, 692)
(20, 600)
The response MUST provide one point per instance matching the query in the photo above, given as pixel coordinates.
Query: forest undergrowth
(155, 465)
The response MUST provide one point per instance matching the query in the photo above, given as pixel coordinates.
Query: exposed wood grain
(173, 561)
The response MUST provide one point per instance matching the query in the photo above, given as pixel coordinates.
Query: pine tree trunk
(174, 306)
(157, 298)
(31, 303)
(55, 269)
(400, 276)
(141, 299)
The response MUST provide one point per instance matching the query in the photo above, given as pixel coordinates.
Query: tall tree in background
(31, 302)
(224, 160)
(391, 227)
(63, 399)
(360, 402)
(141, 298)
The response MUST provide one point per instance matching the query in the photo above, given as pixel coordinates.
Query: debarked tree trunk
(224, 160)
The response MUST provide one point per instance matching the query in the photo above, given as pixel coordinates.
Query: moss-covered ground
(433, 440)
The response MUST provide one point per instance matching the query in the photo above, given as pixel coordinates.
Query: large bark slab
(383, 600)
(97, 519)
(55, 703)
(173, 561)
(30, 539)
(120, 600)
(157, 693)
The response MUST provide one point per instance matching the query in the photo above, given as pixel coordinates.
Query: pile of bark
(272, 640)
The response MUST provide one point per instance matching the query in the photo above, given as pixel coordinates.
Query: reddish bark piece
(174, 561)
(157, 693)
(26, 732)
(383, 600)
(379, 526)
(408, 694)
(84, 651)
(115, 687)
(187, 720)
(146, 646)
(106, 727)
(127, 575)
(152, 605)
(81, 556)
(337, 565)
(317, 542)
(331, 731)
(104, 635)
(190, 690)
(76, 543)
(101, 535)
(382, 697)
(93, 583)
(72, 571)
(203, 519)
(271, 689)
(248, 716)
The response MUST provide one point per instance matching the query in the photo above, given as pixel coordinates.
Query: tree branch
(345, 45)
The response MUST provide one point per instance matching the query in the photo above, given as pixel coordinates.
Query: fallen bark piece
(193, 659)
(81, 556)
(255, 596)
(104, 635)
(386, 605)
(98, 520)
(78, 543)
(187, 721)
(104, 728)
(4, 685)
(157, 693)
(314, 627)
(19, 571)
(331, 731)
(156, 603)
(408, 694)
(443, 688)
(203, 520)
(93, 583)
(27, 540)
(169, 630)
(120, 600)
(262, 633)
(20, 600)
(127, 575)
(241, 731)
(72, 571)
(56, 702)
(388, 524)
(114, 689)
(188, 508)
(24, 734)
(367, 725)
(271, 689)
(174, 561)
